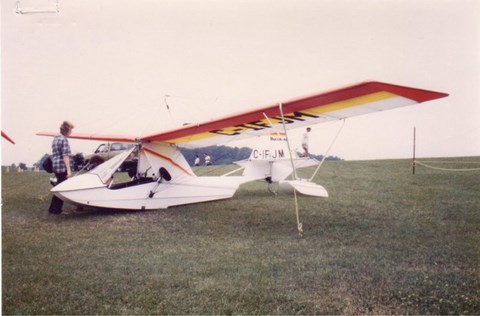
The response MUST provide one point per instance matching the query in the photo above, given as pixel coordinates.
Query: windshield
(102, 148)
(106, 170)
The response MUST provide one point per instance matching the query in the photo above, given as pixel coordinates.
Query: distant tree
(13, 166)
(320, 157)
(221, 155)
(225, 155)
(22, 166)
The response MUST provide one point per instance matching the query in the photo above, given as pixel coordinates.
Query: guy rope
(416, 162)
(294, 175)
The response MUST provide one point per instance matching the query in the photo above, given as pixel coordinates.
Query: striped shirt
(60, 148)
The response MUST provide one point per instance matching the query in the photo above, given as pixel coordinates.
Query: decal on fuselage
(267, 154)
(278, 137)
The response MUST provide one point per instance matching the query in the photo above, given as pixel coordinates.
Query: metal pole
(414, 145)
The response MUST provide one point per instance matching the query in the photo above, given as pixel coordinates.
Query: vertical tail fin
(270, 159)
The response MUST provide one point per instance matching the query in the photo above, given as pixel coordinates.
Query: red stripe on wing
(108, 138)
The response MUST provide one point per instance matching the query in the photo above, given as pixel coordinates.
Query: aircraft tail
(271, 160)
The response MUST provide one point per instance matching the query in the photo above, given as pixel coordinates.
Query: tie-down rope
(416, 162)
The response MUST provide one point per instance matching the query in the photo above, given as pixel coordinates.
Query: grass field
(385, 242)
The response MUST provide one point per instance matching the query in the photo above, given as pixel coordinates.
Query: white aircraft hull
(153, 189)
(140, 197)
(164, 179)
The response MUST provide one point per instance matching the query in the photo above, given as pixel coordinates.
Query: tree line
(220, 155)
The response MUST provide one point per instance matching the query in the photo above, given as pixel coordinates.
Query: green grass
(385, 242)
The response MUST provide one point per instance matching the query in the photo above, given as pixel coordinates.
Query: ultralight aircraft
(164, 178)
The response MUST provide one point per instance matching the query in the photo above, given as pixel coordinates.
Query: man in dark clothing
(61, 163)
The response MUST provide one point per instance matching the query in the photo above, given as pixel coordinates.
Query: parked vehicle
(107, 151)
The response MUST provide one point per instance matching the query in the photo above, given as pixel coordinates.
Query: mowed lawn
(384, 242)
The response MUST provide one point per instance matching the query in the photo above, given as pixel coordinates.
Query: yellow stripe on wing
(341, 105)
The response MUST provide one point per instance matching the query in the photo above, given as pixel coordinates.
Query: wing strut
(328, 151)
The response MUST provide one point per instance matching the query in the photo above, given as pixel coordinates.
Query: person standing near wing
(305, 142)
(208, 160)
(197, 161)
(61, 162)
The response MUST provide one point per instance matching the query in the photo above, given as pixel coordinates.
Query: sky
(111, 66)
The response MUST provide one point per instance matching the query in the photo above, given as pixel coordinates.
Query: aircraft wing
(359, 99)
(7, 138)
(107, 138)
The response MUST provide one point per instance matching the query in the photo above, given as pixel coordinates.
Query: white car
(108, 150)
